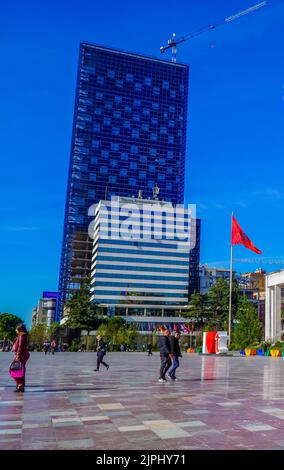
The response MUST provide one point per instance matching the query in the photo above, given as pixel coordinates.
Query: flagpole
(231, 285)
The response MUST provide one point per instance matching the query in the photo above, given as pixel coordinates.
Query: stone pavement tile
(140, 427)
(76, 444)
(256, 427)
(113, 414)
(94, 419)
(191, 424)
(6, 431)
(111, 406)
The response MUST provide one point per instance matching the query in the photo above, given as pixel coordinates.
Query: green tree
(197, 306)
(218, 302)
(82, 313)
(38, 333)
(53, 331)
(8, 323)
(248, 329)
(116, 331)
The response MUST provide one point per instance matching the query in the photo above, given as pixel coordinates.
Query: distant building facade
(46, 309)
(208, 277)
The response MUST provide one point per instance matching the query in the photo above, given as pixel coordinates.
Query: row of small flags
(180, 328)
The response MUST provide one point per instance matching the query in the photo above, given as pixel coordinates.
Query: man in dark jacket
(101, 351)
(174, 355)
(165, 349)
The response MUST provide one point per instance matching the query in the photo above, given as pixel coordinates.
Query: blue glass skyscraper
(129, 134)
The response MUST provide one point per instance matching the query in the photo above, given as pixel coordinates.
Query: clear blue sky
(235, 140)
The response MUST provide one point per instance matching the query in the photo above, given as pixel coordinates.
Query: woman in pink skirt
(21, 349)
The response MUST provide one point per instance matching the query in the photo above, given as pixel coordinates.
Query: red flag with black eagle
(240, 238)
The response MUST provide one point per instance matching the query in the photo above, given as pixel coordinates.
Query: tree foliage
(82, 313)
(38, 334)
(8, 323)
(116, 331)
(248, 329)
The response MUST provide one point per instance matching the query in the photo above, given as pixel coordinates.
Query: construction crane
(173, 42)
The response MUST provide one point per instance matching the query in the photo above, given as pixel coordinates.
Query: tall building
(129, 134)
(208, 277)
(140, 267)
(46, 309)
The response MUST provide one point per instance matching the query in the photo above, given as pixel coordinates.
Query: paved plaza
(218, 403)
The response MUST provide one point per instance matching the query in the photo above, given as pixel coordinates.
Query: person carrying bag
(17, 368)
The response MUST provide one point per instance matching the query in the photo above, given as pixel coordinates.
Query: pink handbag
(16, 370)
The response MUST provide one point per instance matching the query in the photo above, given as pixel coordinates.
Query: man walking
(165, 349)
(174, 355)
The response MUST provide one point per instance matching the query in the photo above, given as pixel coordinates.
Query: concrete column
(277, 310)
(267, 313)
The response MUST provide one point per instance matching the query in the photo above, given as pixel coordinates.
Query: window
(156, 90)
(108, 105)
(92, 177)
(138, 87)
(143, 159)
(155, 105)
(154, 121)
(166, 85)
(163, 130)
(117, 114)
(91, 193)
(132, 181)
(94, 160)
(103, 170)
(146, 112)
(114, 146)
(173, 94)
(95, 144)
(134, 149)
(127, 108)
(105, 153)
(98, 111)
(152, 168)
(123, 172)
(161, 177)
(115, 131)
(126, 124)
(107, 121)
(113, 163)
(153, 136)
(137, 102)
(153, 152)
(142, 175)
(118, 99)
(170, 139)
(124, 156)
(172, 109)
(112, 179)
(133, 165)
(135, 133)
(119, 83)
(136, 118)
(170, 154)
(145, 127)
(111, 73)
(129, 77)
(99, 95)
(100, 80)
(96, 127)
(148, 81)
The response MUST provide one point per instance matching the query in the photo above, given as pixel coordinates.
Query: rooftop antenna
(156, 191)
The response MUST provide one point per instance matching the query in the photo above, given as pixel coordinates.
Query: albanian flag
(240, 238)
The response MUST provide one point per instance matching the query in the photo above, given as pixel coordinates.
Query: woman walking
(101, 351)
(21, 349)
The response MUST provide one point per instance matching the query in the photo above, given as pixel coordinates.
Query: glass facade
(129, 134)
(131, 272)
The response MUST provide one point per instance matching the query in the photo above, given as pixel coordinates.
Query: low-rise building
(45, 310)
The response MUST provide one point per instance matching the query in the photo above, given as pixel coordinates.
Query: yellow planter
(250, 352)
(275, 352)
(191, 350)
